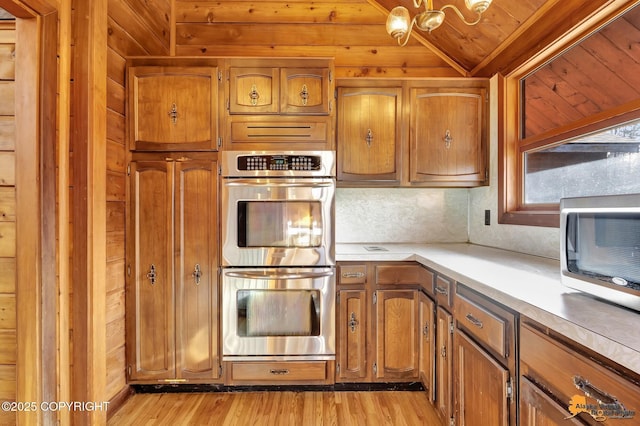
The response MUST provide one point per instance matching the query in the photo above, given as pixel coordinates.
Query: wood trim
(119, 400)
(89, 208)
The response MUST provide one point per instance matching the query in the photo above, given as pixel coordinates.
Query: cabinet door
(173, 108)
(447, 139)
(427, 345)
(305, 91)
(444, 364)
(396, 334)
(150, 291)
(482, 386)
(538, 409)
(254, 90)
(352, 332)
(196, 269)
(369, 134)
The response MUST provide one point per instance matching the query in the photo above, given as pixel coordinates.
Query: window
(570, 121)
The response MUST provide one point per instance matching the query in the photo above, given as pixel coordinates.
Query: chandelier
(399, 23)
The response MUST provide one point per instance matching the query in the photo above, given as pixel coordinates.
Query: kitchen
(361, 49)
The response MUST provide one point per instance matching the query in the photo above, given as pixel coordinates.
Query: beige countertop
(528, 284)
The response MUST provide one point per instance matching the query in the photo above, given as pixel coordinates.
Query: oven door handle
(277, 276)
(254, 183)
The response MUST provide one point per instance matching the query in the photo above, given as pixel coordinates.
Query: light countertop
(527, 284)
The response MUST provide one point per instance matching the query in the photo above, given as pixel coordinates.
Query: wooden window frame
(511, 146)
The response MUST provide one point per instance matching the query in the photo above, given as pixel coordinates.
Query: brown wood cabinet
(173, 108)
(369, 134)
(427, 321)
(378, 325)
(558, 376)
(444, 364)
(172, 288)
(485, 361)
(447, 141)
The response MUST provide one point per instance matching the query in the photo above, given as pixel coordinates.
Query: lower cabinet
(562, 383)
(444, 365)
(172, 283)
(427, 358)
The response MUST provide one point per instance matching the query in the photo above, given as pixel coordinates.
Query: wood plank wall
(351, 31)
(7, 220)
(135, 28)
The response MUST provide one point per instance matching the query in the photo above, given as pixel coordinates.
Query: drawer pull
(279, 371)
(441, 290)
(473, 320)
(352, 274)
(593, 392)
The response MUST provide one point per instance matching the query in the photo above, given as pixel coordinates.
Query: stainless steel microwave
(600, 247)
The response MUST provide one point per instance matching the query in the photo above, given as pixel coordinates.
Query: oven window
(279, 224)
(278, 313)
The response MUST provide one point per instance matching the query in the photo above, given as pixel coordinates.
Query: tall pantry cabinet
(172, 225)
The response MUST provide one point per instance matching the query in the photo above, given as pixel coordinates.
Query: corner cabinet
(447, 141)
(173, 108)
(172, 280)
(369, 134)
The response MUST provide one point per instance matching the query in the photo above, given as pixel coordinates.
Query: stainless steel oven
(278, 255)
(278, 208)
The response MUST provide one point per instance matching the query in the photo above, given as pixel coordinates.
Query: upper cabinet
(447, 141)
(279, 104)
(413, 133)
(173, 108)
(369, 134)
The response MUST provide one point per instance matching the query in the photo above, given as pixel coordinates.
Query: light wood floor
(278, 409)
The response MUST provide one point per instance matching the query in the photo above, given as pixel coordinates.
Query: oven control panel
(279, 162)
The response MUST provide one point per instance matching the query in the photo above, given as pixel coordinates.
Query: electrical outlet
(487, 217)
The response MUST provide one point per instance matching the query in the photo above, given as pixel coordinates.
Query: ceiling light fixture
(399, 24)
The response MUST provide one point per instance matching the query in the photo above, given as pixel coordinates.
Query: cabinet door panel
(173, 108)
(444, 364)
(304, 91)
(253, 90)
(397, 334)
(196, 269)
(150, 293)
(427, 344)
(481, 385)
(447, 129)
(352, 329)
(369, 134)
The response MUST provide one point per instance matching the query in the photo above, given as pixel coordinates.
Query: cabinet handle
(279, 371)
(352, 274)
(593, 392)
(441, 290)
(369, 138)
(425, 330)
(304, 94)
(151, 275)
(447, 139)
(254, 95)
(443, 352)
(173, 113)
(473, 320)
(197, 274)
(353, 322)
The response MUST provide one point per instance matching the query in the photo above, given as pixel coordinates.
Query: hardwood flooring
(402, 408)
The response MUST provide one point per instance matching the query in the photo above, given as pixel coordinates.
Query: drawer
(268, 372)
(443, 291)
(571, 377)
(352, 274)
(488, 328)
(399, 274)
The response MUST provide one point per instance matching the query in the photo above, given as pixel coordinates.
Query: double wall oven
(278, 255)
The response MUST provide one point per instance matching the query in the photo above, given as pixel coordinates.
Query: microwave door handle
(253, 183)
(277, 276)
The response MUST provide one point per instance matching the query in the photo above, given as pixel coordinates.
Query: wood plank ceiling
(353, 32)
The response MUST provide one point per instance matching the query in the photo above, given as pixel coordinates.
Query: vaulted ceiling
(353, 32)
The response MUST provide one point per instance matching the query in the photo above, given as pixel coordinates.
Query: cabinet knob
(173, 113)
(447, 139)
(369, 138)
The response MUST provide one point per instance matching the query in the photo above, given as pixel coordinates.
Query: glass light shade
(429, 20)
(398, 22)
(477, 6)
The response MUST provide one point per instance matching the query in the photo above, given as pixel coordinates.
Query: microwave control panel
(279, 162)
